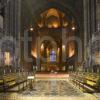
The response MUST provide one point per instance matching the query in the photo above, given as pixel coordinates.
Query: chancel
(49, 49)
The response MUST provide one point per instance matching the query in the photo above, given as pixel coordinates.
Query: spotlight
(31, 29)
(73, 28)
(42, 46)
(63, 46)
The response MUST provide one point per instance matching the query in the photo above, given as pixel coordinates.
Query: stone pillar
(5, 19)
(85, 27)
(98, 15)
(93, 27)
(58, 55)
(12, 25)
(87, 30)
(93, 16)
(89, 26)
(38, 55)
(17, 31)
(19, 34)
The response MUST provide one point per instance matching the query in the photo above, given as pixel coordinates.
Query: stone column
(5, 19)
(98, 15)
(17, 31)
(12, 25)
(38, 54)
(93, 16)
(85, 3)
(93, 26)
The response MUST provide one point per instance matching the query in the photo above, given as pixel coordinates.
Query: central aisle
(53, 88)
(49, 88)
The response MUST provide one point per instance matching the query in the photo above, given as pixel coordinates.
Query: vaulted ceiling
(52, 14)
(31, 9)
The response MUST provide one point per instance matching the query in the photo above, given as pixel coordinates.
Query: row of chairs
(11, 80)
(88, 82)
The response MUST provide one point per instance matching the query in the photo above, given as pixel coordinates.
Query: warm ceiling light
(49, 26)
(40, 25)
(65, 24)
(71, 53)
(42, 46)
(58, 50)
(63, 46)
(52, 12)
(55, 25)
(34, 53)
(31, 29)
(73, 28)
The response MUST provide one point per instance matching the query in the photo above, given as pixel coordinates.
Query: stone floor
(49, 90)
(15, 96)
(97, 95)
(53, 88)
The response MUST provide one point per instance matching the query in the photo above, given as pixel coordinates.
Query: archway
(50, 21)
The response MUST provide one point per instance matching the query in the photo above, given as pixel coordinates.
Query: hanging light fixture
(73, 25)
(31, 28)
(73, 28)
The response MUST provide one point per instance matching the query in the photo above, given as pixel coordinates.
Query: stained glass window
(53, 56)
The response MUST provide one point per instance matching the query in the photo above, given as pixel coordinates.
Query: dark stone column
(93, 16)
(85, 27)
(89, 28)
(98, 15)
(12, 26)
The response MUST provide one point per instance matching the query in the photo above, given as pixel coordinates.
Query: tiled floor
(53, 88)
(49, 90)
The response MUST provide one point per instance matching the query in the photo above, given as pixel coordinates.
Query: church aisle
(49, 90)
